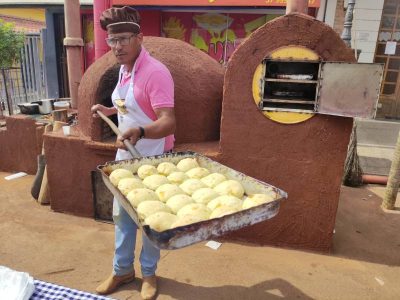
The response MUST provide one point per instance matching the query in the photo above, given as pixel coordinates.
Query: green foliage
(10, 44)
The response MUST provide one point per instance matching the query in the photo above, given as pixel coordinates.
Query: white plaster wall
(330, 12)
(366, 21)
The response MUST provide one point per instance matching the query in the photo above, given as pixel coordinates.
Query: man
(144, 102)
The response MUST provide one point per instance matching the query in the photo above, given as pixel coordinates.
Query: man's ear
(140, 37)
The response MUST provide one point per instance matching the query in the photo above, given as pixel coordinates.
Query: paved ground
(376, 142)
(77, 252)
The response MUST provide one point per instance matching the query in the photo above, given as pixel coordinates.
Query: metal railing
(26, 82)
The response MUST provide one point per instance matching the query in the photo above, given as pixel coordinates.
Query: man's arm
(164, 125)
(108, 111)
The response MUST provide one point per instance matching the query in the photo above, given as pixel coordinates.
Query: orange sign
(311, 3)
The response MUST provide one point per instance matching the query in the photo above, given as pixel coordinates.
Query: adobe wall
(20, 144)
(70, 161)
(306, 160)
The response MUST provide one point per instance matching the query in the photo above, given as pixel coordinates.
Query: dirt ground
(77, 253)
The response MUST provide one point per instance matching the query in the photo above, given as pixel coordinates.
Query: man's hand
(107, 111)
(132, 134)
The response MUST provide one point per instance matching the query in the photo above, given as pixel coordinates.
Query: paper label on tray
(213, 245)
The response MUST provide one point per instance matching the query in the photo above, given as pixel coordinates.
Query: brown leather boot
(149, 287)
(113, 282)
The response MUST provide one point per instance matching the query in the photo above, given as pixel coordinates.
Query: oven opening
(104, 92)
(290, 86)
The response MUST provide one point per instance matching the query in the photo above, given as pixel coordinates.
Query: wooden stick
(132, 150)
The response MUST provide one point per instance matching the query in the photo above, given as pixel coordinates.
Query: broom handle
(132, 150)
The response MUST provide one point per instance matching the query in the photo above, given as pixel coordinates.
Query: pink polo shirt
(153, 88)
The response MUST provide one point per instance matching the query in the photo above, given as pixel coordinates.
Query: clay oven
(269, 128)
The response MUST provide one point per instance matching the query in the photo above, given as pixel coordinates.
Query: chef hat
(118, 20)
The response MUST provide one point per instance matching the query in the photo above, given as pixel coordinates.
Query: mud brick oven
(304, 158)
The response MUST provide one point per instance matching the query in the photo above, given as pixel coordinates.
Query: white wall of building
(366, 21)
(330, 12)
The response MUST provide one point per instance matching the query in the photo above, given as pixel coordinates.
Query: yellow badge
(121, 106)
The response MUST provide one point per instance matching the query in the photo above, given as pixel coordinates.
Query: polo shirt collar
(139, 61)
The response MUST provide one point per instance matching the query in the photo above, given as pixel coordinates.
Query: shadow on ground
(364, 231)
(266, 290)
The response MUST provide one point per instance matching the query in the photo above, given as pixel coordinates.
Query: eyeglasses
(123, 40)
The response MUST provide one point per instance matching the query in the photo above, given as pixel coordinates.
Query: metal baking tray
(183, 236)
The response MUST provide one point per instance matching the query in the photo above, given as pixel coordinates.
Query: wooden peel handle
(132, 150)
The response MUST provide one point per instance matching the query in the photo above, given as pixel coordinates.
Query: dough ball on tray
(230, 187)
(186, 220)
(195, 209)
(147, 208)
(126, 185)
(191, 185)
(154, 181)
(146, 170)
(178, 201)
(160, 221)
(166, 191)
(166, 168)
(186, 164)
(213, 179)
(258, 199)
(221, 211)
(204, 195)
(197, 173)
(118, 174)
(225, 200)
(177, 177)
(136, 196)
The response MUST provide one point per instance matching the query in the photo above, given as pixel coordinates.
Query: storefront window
(217, 34)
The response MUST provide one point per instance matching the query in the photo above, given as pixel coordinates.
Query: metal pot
(29, 108)
(45, 106)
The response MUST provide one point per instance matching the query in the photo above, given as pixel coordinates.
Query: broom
(352, 169)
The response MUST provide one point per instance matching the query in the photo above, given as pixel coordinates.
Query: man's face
(125, 46)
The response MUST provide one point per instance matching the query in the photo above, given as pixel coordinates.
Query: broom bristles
(352, 169)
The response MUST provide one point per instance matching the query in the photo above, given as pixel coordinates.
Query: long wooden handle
(132, 150)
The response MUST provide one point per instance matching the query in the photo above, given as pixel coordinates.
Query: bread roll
(177, 177)
(166, 191)
(126, 185)
(166, 168)
(118, 174)
(213, 179)
(197, 173)
(186, 220)
(225, 200)
(230, 187)
(160, 221)
(258, 199)
(147, 208)
(221, 211)
(146, 170)
(154, 181)
(186, 164)
(195, 209)
(191, 185)
(175, 203)
(136, 196)
(204, 195)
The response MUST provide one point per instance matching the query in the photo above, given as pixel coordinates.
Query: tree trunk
(392, 186)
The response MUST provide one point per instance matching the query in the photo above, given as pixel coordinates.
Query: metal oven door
(349, 89)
